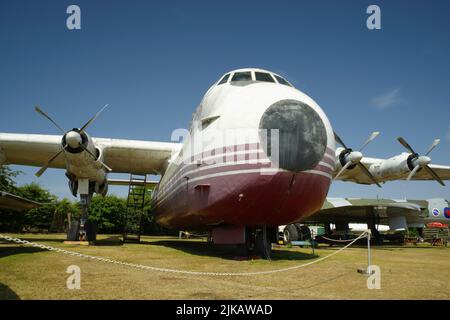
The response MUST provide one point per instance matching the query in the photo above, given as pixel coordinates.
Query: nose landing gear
(259, 242)
(263, 245)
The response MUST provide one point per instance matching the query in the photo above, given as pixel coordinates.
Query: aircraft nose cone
(73, 139)
(302, 137)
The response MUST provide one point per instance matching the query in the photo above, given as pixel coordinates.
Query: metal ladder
(132, 223)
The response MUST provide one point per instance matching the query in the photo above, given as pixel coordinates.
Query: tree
(39, 218)
(65, 212)
(107, 212)
(149, 225)
(7, 176)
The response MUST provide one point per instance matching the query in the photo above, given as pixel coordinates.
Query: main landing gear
(83, 229)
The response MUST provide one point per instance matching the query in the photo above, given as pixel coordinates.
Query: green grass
(407, 272)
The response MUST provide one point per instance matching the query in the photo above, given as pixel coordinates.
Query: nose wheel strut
(259, 242)
(263, 245)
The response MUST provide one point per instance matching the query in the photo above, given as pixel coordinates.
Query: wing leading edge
(123, 156)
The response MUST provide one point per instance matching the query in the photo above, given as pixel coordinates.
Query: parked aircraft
(13, 202)
(397, 214)
(260, 153)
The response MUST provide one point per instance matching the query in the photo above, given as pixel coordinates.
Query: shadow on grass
(7, 294)
(110, 241)
(224, 251)
(10, 251)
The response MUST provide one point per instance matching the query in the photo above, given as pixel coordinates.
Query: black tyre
(290, 234)
(72, 233)
(263, 247)
(91, 230)
(304, 233)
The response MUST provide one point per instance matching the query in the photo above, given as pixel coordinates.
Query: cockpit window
(281, 80)
(242, 76)
(262, 76)
(224, 79)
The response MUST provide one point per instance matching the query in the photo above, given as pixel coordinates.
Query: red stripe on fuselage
(225, 155)
(205, 170)
(227, 193)
(243, 199)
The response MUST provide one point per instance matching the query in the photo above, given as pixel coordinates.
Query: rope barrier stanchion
(367, 271)
(368, 249)
(177, 271)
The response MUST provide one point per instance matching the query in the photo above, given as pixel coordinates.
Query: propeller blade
(38, 110)
(367, 173)
(432, 146)
(93, 156)
(405, 144)
(336, 137)
(42, 170)
(372, 136)
(413, 172)
(434, 175)
(348, 164)
(93, 118)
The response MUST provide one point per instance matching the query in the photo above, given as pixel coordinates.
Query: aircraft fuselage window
(242, 76)
(281, 80)
(224, 79)
(262, 76)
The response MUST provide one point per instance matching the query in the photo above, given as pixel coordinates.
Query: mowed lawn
(421, 272)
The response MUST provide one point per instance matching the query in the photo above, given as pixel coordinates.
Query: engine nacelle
(101, 189)
(342, 157)
(82, 164)
(392, 168)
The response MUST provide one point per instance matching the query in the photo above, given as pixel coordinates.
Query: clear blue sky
(153, 61)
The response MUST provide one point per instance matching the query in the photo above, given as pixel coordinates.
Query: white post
(368, 249)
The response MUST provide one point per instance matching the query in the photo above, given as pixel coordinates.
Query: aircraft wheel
(304, 233)
(91, 230)
(290, 234)
(72, 233)
(263, 247)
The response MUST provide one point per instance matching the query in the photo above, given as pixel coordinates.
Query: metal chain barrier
(144, 267)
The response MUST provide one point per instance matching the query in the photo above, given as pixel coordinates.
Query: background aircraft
(398, 214)
(10, 201)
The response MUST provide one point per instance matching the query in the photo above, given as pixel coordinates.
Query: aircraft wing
(442, 171)
(10, 201)
(127, 182)
(356, 174)
(122, 156)
(132, 156)
(383, 211)
(374, 164)
(30, 149)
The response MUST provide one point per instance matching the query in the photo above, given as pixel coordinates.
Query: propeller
(417, 161)
(72, 139)
(353, 158)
